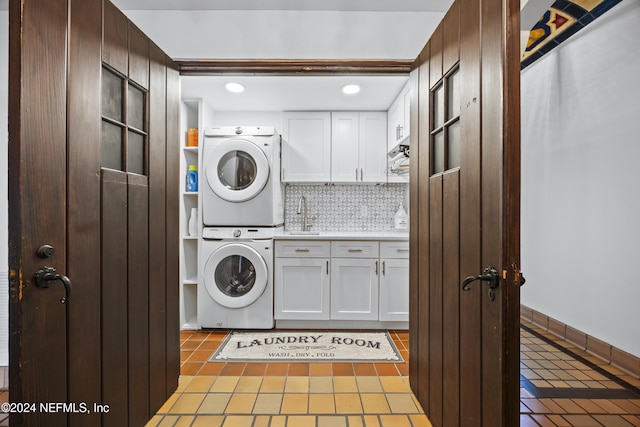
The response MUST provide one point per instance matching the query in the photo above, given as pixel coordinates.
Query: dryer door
(237, 170)
(235, 275)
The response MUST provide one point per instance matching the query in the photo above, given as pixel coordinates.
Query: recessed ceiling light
(234, 87)
(350, 89)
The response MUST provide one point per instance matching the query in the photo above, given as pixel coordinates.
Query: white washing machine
(236, 284)
(241, 181)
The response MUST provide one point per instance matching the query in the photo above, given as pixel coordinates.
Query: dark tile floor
(562, 385)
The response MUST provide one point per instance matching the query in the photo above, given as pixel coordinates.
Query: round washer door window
(235, 275)
(237, 170)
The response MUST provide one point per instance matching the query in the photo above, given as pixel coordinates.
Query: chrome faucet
(305, 225)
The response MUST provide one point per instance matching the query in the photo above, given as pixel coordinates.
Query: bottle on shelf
(193, 222)
(192, 179)
(192, 137)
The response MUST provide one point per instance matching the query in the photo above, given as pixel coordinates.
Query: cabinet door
(345, 143)
(373, 147)
(398, 118)
(301, 288)
(393, 121)
(406, 110)
(354, 289)
(306, 147)
(394, 290)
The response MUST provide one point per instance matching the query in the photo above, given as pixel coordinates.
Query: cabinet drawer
(354, 249)
(394, 249)
(302, 249)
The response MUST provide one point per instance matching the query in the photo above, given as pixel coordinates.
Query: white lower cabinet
(394, 290)
(302, 288)
(354, 289)
(342, 280)
(394, 281)
(301, 280)
(354, 280)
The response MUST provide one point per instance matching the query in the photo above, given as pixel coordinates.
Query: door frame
(310, 67)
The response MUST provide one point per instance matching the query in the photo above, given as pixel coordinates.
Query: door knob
(46, 275)
(489, 275)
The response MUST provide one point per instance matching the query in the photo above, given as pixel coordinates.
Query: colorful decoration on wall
(563, 19)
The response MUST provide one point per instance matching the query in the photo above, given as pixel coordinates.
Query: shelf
(189, 237)
(190, 193)
(190, 282)
(190, 304)
(192, 325)
(190, 149)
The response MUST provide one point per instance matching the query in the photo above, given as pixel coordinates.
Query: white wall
(248, 118)
(580, 176)
(4, 221)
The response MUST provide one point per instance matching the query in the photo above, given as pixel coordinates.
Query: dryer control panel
(240, 233)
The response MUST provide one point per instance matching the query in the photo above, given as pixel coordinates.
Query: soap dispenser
(401, 219)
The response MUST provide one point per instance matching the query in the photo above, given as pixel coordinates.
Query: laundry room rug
(320, 346)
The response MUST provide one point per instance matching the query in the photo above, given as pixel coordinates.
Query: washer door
(235, 275)
(237, 170)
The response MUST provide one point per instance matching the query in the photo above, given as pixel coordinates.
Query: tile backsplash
(345, 207)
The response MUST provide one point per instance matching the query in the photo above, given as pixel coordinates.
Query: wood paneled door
(93, 188)
(465, 183)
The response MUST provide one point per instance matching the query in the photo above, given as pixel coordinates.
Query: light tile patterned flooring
(289, 394)
(561, 386)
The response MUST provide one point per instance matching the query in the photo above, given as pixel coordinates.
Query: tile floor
(561, 386)
(289, 394)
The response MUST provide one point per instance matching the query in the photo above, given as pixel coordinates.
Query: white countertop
(343, 235)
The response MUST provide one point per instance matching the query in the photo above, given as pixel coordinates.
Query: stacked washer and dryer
(242, 211)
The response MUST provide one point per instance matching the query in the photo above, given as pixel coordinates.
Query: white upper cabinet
(399, 118)
(345, 142)
(358, 147)
(373, 159)
(306, 147)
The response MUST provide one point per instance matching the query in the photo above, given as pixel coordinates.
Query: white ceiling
(289, 29)
(282, 93)
(377, 5)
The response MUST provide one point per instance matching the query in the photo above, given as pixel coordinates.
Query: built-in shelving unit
(194, 114)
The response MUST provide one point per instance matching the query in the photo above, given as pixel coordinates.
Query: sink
(303, 233)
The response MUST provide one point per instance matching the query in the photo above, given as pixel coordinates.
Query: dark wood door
(93, 163)
(465, 177)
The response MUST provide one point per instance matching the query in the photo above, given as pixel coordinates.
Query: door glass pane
(237, 170)
(135, 153)
(135, 108)
(111, 95)
(438, 152)
(453, 145)
(438, 107)
(111, 146)
(235, 276)
(453, 96)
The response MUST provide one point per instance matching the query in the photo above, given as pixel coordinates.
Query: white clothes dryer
(236, 278)
(241, 184)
